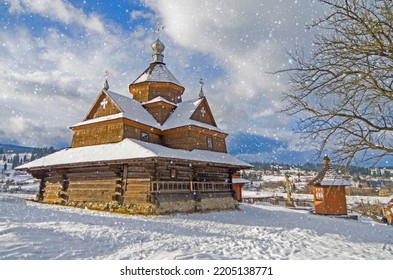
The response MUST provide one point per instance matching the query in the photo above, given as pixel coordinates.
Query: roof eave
(122, 161)
(158, 82)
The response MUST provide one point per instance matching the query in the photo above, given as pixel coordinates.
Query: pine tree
(41, 152)
(15, 161)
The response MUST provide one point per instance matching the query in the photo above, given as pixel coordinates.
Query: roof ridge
(158, 99)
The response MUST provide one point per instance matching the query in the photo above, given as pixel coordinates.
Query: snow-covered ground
(351, 200)
(30, 230)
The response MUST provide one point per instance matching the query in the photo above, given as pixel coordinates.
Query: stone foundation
(190, 203)
(163, 204)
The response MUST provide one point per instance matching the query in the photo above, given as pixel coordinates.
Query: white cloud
(247, 39)
(58, 10)
(51, 79)
(138, 14)
(17, 124)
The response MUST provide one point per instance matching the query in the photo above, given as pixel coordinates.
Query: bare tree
(342, 93)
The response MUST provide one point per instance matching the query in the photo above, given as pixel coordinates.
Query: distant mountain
(16, 148)
(257, 148)
(244, 143)
(245, 146)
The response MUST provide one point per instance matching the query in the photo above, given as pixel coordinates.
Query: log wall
(126, 187)
(147, 91)
(115, 131)
(135, 133)
(137, 191)
(99, 133)
(195, 138)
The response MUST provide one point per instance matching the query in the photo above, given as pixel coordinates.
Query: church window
(319, 194)
(64, 185)
(145, 136)
(173, 173)
(203, 112)
(209, 143)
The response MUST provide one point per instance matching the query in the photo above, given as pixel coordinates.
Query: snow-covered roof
(157, 72)
(158, 99)
(329, 177)
(240, 181)
(132, 109)
(129, 149)
(182, 116)
(100, 119)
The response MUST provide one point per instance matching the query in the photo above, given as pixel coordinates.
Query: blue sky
(54, 54)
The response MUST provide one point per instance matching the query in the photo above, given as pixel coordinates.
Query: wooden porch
(189, 186)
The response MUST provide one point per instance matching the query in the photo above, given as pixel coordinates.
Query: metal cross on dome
(201, 93)
(159, 28)
(106, 84)
(201, 82)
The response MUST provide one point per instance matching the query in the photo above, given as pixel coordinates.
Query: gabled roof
(203, 113)
(129, 149)
(133, 110)
(328, 177)
(157, 72)
(130, 109)
(331, 178)
(182, 116)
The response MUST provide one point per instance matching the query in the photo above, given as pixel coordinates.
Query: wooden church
(146, 153)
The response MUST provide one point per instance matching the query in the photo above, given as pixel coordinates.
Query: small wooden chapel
(329, 191)
(148, 152)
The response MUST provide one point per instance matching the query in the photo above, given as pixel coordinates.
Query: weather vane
(159, 28)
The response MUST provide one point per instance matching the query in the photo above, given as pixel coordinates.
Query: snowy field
(30, 230)
(351, 200)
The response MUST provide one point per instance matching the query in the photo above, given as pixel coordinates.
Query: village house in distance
(146, 153)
